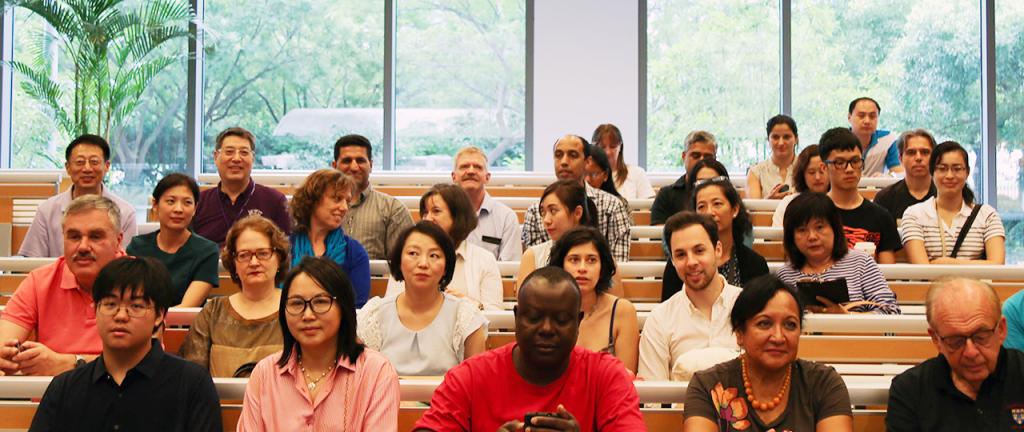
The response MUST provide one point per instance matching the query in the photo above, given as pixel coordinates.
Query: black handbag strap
(963, 230)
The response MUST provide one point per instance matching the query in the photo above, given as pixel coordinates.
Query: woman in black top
(738, 263)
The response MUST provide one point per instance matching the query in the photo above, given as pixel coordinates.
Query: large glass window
(711, 65)
(460, 80)
(297, 73)
(917, 58)
(146, 144)
(1010, 124)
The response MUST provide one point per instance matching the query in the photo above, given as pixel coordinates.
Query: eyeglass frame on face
(244, 256)
(961, 341)
(308, 304)
(230, 152)
(133, 309)
(845, 164)
(957, 169)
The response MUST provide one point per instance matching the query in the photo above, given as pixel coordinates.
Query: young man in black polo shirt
(133, 385)
(974, 384)
(915, 149)
(863, 220)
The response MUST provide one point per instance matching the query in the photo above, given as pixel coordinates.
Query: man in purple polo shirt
(237, 195)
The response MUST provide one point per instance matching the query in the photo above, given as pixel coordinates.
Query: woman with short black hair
(422, 329)
(476, 277)
(767, 387)
(354, 388)
(816, 249)
(190, 258)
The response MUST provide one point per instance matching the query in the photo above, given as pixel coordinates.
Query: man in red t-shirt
(542, 372)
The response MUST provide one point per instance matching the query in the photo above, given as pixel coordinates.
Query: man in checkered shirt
(571, 155)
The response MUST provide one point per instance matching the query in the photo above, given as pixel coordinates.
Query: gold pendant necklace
(310, 382)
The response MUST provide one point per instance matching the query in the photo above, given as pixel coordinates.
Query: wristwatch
(79, 360)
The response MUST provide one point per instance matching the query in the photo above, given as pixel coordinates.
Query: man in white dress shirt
(698, 316)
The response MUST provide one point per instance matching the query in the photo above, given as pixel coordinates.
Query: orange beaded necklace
(758, 405)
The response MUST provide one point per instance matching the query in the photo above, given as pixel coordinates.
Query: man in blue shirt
(877, 146)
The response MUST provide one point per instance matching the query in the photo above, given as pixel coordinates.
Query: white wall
(585, 72)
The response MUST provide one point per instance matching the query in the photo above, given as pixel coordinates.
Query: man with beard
(698, 316)
(375, 219)
(568, 387)
(571, 154)
(55, 301)
(497, 228)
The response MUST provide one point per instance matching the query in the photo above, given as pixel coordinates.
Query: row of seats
(867, 392)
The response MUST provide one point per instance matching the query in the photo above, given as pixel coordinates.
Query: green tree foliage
(114, 55)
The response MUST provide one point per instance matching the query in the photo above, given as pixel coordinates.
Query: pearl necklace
(311, 383)
(758, 405)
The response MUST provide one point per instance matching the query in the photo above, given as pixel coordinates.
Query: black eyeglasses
(980, 338)
(856, 163)
(319, 304)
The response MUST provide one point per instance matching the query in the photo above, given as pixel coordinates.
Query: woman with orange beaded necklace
(767, 388)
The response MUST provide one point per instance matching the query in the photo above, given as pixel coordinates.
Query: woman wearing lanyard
(950, 228)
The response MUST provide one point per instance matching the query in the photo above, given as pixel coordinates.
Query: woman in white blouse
(423, 330)
(630, 180)
(476, 277)
(771, 179)
(931, 230)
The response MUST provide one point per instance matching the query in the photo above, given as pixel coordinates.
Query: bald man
(495, 390)
(974, 383)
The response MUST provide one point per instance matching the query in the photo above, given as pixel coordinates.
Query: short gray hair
(700, 136)
(945, 282)
(90, 202)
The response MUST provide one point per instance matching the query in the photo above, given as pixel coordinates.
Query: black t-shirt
(161, 393)
(670, 200)
(869, 222)
(896, 198)
(924, 398)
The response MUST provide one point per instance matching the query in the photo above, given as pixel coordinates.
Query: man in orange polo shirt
(55, 301)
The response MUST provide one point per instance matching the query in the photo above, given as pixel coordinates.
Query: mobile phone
(784, 188)
(530, 416)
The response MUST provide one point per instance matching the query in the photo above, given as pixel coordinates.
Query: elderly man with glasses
(974, 384)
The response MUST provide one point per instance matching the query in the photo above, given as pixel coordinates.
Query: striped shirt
(613, 221)
(864, 281)
(375, 222)
(921, 222)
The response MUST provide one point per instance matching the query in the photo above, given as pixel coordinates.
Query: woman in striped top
(816, 247)
(930, 229)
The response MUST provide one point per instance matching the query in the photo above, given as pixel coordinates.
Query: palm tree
(114, 55)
